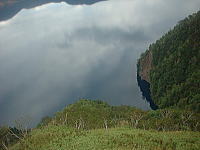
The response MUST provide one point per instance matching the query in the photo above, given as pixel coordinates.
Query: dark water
(10, 9)
(55, 54)
(146, 93)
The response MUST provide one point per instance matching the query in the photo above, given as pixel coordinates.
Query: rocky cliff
(145, 65)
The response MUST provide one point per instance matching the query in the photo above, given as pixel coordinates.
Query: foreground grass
(63, 138)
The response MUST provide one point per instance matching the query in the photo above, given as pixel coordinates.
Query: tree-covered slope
(172, 66)
(89, 114)
(90, 125)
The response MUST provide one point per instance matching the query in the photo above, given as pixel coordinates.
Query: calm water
(55, 54)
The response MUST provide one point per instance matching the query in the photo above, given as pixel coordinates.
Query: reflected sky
(55, 54)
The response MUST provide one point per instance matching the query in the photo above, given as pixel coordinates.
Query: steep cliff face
(145, 65)
(171, 67)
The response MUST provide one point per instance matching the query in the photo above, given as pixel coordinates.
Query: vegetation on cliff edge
(175, 72)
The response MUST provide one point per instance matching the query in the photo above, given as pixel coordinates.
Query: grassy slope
(62, 138)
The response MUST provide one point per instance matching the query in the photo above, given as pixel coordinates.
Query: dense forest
(175, 67)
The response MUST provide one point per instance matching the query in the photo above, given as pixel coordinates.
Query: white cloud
(53, 54)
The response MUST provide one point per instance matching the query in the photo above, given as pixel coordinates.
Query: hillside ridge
(89, 124)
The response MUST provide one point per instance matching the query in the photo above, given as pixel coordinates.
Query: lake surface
(54, 54)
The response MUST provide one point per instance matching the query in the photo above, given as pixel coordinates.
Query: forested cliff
(171, 66)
